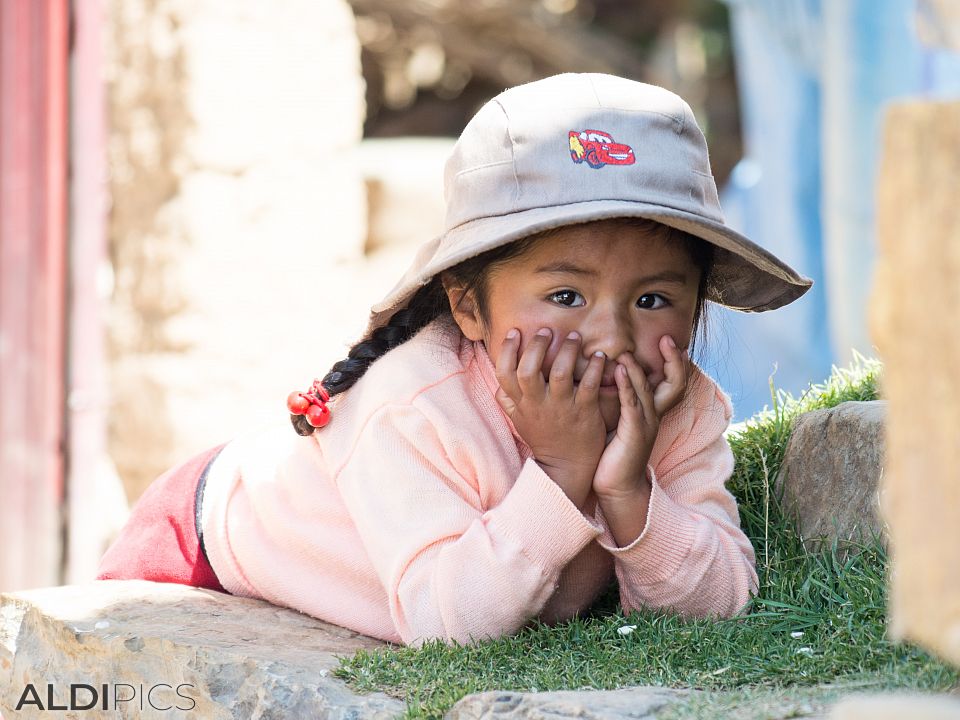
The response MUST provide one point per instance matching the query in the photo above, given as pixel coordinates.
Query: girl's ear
(463, 305)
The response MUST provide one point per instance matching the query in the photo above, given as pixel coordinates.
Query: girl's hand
(560, 421)
(621, 472)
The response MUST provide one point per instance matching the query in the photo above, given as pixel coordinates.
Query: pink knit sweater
(418, 512)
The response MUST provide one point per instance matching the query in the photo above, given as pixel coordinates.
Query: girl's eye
(651, 302)
(570, 298)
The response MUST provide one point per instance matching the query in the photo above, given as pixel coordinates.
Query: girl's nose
(608, 331)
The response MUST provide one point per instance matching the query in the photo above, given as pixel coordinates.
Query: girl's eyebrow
(668, 276)
(561, 266)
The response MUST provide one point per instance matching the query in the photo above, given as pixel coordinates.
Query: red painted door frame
(34, 51)
(86, 298)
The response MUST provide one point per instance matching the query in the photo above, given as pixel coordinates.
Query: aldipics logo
(107, 696)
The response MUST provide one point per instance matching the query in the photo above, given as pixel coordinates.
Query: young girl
(521, 421)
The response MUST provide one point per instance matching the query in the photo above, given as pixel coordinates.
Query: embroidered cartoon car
(598, 149)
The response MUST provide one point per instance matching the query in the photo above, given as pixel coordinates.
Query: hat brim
(746, 277)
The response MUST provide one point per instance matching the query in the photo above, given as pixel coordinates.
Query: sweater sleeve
(451, 568)
(692, 557)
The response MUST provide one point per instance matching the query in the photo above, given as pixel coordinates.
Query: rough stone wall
(238, 216)
(915, 304)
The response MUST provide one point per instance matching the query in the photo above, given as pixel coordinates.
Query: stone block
(219, 656)
(404, 179)
(270, 82)
(829, 479)
(638, 703)
(238, 217)
(914, 307)
(891, 706)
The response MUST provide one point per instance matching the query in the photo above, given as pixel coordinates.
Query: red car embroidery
(598, 149)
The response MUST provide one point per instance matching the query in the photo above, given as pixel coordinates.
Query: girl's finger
(675, 371)
(589, 389)
(628, 396)
(641, 386)
(507, 365)
(530, 367)
(506, 402)
(561, 374)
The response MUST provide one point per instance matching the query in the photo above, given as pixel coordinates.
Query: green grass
(815, 630)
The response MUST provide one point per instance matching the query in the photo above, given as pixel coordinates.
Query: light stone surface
(897, 707)
(639, 703)
(244, 658)
(404, 181)
(831, 472)
(238, 217)
(914, 310)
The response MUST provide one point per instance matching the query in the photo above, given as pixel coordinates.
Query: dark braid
(427, 304)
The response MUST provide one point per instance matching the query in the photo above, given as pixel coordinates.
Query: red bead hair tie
(311, 404)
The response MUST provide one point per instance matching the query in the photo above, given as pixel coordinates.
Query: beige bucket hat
(573, 148)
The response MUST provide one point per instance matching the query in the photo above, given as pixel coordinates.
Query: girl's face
(621, 289)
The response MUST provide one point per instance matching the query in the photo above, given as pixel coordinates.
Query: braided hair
(430, 302)
(427, 304)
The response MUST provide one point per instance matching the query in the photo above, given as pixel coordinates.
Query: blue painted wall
(814, 77)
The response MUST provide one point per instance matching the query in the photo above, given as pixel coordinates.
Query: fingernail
(512, 333)
(600, 354)
(544, 332)
(574, 335)
(670, 342)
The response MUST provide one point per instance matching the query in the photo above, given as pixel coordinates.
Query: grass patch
(818, 620)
